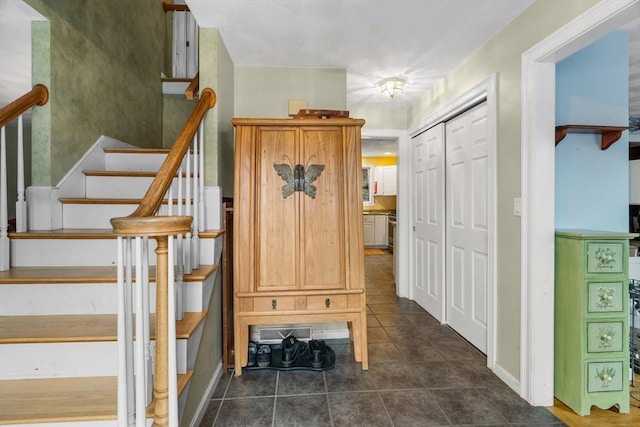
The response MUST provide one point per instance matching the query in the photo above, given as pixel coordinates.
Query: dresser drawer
(605, 297)
(605, 257)
(326, 302)
(603, 337)
(605, 376)
(274, 303)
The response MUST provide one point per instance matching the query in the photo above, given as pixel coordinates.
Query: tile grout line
(275, 400)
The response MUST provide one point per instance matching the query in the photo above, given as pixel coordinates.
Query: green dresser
(591, 319)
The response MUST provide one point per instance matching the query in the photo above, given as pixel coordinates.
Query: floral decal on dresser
(605, 297)
(606, 336)
(605, 257)
(606, 375)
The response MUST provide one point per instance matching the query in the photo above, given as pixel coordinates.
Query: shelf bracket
(610, 134)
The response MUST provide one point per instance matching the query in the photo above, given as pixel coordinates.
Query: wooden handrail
(192, 89)
(39, 95)
(170, 7)
(155, 194)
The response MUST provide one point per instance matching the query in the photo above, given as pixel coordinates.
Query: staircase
(58, 303)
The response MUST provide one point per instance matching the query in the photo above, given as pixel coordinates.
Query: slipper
(264, 355)
(253, 350)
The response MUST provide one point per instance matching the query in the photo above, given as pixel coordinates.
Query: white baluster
(172, 368)
(4, 221)
(128, 298)
(122, 346)
(141, 321)
(21, 203)
(147, 335)
(189, 207)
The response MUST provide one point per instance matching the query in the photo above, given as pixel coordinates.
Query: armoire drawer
(327, 302)
(274, 303)
(605, 257)
(605, 376)
(605, 297)
(605, 337)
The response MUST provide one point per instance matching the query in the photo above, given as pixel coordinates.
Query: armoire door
(300, 196)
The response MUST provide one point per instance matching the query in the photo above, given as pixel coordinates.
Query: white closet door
(467, 265)
(428, 220)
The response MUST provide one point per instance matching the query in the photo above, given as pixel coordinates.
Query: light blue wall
(592, 186)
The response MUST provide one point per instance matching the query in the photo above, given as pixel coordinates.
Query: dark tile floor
(420, 374)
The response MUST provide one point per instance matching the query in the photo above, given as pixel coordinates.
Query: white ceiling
(419, 40)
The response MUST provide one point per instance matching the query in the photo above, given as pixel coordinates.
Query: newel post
(161, 382)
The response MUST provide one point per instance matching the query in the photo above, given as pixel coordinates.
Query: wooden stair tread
(86, 233)
(81, 274)
(108, 201)
(64, 399)
(65, 233)
(126, 174)
(137, 150)
(78, 328)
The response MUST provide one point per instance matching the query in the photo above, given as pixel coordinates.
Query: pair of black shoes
(260, 354)
(301, 354)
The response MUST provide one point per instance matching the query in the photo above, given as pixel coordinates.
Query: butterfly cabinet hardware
(297, 179)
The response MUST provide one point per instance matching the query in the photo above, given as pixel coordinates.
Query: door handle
(274, 303)
(327, 302)
(414, 228)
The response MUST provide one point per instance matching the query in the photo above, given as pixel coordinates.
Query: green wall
(106, 59)
(502, 55)
(209, 354)
(175, 112)
(266, 91)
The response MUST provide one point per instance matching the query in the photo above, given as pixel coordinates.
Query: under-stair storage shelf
(298, 232)
(610, 134)
(591, 319)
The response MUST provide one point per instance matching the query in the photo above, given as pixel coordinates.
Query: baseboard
(204, 403)
(507, 378)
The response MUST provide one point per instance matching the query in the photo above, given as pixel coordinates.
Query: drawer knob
(274, 303)
(327, 302)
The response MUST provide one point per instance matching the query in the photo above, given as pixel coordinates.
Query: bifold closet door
(427, 238)
(467, 222)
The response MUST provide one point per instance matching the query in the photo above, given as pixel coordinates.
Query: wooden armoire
(298, 233)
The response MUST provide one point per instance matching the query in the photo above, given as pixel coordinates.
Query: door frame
(484, 91)
(538, 187)
(402, 201)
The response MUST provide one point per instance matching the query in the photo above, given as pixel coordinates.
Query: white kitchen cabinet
(380, 230)
(386, 180)
(369, 230)
(375, 230)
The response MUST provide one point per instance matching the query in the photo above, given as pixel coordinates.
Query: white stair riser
(121, 187)
(82, 215)
(75, 359)
(83, 252)
(139, 162)
(79, 298)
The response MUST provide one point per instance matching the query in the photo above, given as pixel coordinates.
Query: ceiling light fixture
(392, 86)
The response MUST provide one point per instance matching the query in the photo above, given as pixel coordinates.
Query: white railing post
(147, 335)
(141, 320)
(4, 214)
(171, 339)
(122, 345)
(21, 203)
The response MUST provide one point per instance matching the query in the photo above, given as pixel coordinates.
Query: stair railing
(39, 95)
(133, 233)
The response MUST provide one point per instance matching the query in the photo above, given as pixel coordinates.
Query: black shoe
(253, 351)
(264, 355)
(317, 353)
(291, 350)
